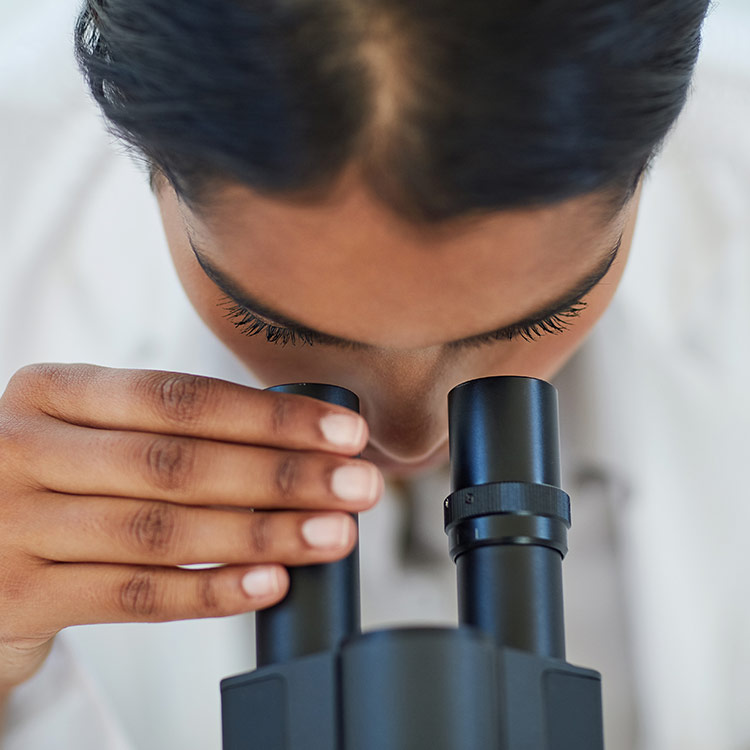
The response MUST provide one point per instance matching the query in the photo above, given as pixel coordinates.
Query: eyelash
(554, 324)
(250, 324)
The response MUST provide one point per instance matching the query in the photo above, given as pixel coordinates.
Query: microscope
(498, 681)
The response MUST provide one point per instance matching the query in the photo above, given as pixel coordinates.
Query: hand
(110, 479)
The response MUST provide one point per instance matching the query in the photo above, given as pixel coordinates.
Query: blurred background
(655, 408)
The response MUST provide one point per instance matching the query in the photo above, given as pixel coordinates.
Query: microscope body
(415, 689)
(499, 681)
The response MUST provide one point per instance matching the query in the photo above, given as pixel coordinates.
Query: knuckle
(153, 528)
(54, 374)
(169, 462)
(180, 398)
(282, 415)
(260, 534)
(34, 382)
(20, 437)
(15, 585)
(38, 384)
(286, 476)
(208, 597)
(38, 372)
(12, 432)
(138, 596)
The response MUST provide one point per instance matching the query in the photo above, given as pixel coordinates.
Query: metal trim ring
(516, 498)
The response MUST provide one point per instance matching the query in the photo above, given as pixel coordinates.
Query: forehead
(351, 268)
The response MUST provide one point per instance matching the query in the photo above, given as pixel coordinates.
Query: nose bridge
(407, 385)
(405, 404)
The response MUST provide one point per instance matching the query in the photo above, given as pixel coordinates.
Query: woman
(392, 199)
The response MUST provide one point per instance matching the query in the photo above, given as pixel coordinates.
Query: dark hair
(445, 107)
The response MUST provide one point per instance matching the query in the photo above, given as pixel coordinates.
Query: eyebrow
(246, 300)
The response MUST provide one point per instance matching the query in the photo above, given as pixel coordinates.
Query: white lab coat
(654, 408)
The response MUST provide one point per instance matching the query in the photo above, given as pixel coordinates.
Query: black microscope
(499, 681)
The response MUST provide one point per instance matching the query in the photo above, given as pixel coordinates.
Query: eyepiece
(333, 394)
(503, 429)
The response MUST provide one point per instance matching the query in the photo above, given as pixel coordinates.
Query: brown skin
(351, 269)
(109, 479)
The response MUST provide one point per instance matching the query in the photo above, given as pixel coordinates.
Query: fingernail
(261, 582)
(356, 483)
(326, 531)
(343, 430)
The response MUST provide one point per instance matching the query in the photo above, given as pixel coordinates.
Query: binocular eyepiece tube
(322, 607)
(507, 517)
(499, 681)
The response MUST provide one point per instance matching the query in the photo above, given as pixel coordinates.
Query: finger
(83, 461)
(181, 404)
(96, 593)
(113, 530)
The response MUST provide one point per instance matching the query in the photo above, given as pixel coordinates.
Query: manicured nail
(356, 483)
(326, 532)
(343, 430)
(261, 582)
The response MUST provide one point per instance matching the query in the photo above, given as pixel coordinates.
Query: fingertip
(264, 582)
(348, 548)
(283, 579)
(345, 432)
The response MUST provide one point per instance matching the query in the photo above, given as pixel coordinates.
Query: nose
(408, 420)
(407, 433)
(405, 402)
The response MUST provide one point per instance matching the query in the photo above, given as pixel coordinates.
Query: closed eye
(251, 324)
